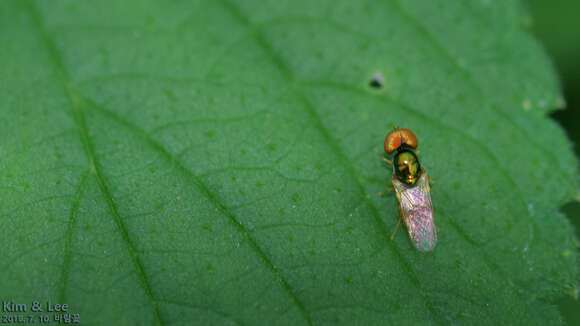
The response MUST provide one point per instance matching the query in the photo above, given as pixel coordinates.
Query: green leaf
(211, 162)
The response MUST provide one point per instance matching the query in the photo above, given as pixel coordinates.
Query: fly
(411, 185)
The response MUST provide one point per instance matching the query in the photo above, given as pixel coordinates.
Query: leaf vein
(79, 119)
(204, 189)
(67, 253)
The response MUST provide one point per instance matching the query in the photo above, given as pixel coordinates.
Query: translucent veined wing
(417, 211)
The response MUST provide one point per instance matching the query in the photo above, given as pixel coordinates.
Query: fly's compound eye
(407, 167)
(397, 138)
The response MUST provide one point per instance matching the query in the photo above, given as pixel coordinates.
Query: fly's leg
(398, 223)
(431, 181)
(396, 229)
(386, 160)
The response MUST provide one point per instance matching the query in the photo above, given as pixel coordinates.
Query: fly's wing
(417, 211)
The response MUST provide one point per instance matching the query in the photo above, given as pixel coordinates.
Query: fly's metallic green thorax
(406, 164)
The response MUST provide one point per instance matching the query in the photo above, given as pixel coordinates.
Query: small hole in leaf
(378, 81)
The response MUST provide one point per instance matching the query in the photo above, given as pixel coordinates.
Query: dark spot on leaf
(374, 83)
(271, 147)
(209, 134)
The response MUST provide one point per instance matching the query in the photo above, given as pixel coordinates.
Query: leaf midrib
(64, 78)
(76, 100)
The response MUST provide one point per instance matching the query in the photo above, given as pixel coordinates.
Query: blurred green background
(557, 25)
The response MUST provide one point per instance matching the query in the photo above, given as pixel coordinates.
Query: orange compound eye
(397, 137)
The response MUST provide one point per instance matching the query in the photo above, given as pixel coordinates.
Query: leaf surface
(211, 162)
